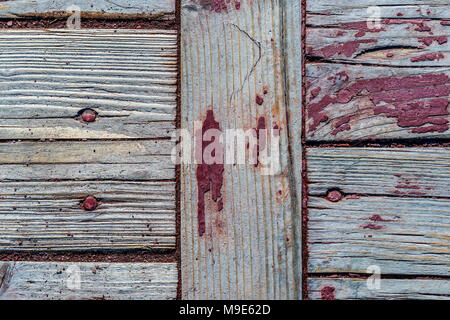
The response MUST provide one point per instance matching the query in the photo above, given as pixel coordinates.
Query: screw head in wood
(90, 203)
(89, 115)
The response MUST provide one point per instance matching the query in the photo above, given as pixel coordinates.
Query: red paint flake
(377, 217)
(399, 14)
(342, 125)
(389, 54)
(428, 57)
(398, 92)
(347, 48)
(361, 27)
(261, 138)
(209, 176)
(90, 203)
(327, 293)
(418, 23)
(259, 99)
(429, 40)
(342, 76)
(265, 90)
(334, 196)
(445, 23)
(372, 226)
(315, 92)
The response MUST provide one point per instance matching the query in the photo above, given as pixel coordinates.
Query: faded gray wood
(98, 281)
(235, 62)
(356, 89)
(348, 289)
(407, 236)
(155, 9)
(127, 77)
(87, 160)
(49, 215)
(414, 172)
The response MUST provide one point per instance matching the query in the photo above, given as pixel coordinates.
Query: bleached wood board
(414, 172)
(49, 215)
(87, 160)
(407, 236)
(109, 281)
(251, 248)
(410, 33)
(114, 9)
(127, 77)
(391, 289)
(350, 102)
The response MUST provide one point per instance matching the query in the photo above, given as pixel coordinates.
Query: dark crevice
(382, 48)
(356, 275)
(435, 142)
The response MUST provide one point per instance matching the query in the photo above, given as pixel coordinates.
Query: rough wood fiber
(98, 281)
(127, 77)
(404, 236)
(155, 9)
(50, 216)
(234, 63)
(414, 172)
(357, 90)
(348, 289)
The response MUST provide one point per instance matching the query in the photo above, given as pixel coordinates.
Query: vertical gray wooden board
(252, 247)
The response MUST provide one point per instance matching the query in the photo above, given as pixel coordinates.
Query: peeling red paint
(428, 57)
(221, 5)
(315, 92)
(342, 125)
(363, 28)
(377, 217)
(372, 226)
(327, 293)
(397, 92)
(209, 176)
(429, 40)
(347, 48)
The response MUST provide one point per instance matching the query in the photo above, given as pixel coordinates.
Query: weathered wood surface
(234, 64)
(98, 281)
(50, 216)
(114, 9)
(357, 91)
(127, 77)
(414, 172)
(400, 235)
(397, 289)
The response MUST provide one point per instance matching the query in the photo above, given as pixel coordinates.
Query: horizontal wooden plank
(234, 60)
(391, 289)
(354, 102)
(156, 9)
(50, 216)
(399, 235)
(127, 77)
(87, 160)
(414, 172)
(97, 281)
(409, 33)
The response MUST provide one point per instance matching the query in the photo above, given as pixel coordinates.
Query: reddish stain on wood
(209, 176)
(372, 226)
(428, 57)
(261, 137)
(259, 99)
(327, 293)
(90, 203)
(398, 93)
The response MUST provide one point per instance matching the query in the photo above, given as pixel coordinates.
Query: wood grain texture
(414, 172)
(402, 236)
(98, 281)
(127, 77)
(377, 82)
(391, 289)
(155, 9)
(50, 216)
(234, 63)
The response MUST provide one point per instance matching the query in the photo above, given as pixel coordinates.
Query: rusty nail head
(334, 195)
(90, 203)
(89, 115)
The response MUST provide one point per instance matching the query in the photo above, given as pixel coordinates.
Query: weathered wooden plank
(87, 160)
(414, 172)
(412, 33)
(348, 289)
(234, 72)
(97, 281)
(50, 215)
(349, 102)
(399, 235)
(155, 9)
(48, 77)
